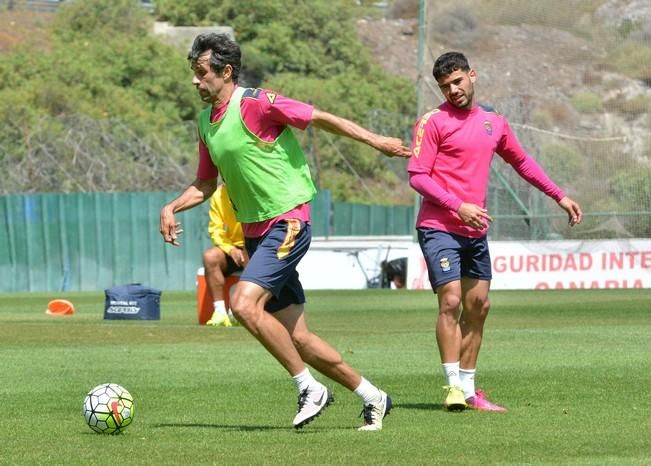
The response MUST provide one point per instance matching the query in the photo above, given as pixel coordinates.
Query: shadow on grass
(420, 406)
(241, 428)
(225, 427)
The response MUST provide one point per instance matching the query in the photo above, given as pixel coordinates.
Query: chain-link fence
(574, 80)
(573, 77)
(76, 153)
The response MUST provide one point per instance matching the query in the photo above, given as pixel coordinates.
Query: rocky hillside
(552, 72)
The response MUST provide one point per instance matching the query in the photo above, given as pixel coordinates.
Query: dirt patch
(522, 60)
(393, 42)
(529, 73)
(21, 26)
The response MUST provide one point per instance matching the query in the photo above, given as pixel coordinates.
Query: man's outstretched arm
(391, 147)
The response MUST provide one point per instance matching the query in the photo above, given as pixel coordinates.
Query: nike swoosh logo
(318, 403)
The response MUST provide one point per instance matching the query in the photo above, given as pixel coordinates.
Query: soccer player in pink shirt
(452, 149)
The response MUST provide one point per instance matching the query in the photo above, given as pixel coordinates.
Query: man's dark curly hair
(225, 51)
(448, 63)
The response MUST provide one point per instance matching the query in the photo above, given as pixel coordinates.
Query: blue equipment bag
(132, 302)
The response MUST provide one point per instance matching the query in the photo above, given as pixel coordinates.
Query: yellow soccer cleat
(219, 319)
(455, 400)
(233, 320)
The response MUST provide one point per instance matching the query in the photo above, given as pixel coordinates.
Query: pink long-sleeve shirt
(452, 150)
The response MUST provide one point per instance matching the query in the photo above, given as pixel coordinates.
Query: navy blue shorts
(450, 257)
(273, 261)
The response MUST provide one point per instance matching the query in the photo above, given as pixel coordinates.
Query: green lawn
(573, 367)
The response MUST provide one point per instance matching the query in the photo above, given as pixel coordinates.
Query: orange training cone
(60, 307)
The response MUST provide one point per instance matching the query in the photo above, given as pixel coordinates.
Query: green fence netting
(92, 241)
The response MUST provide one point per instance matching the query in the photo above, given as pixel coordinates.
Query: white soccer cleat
(311, 403)
(375, 413)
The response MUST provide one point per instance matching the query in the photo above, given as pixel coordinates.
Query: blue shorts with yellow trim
(273, 261)
(450, 257)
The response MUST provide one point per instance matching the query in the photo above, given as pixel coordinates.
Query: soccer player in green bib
(245, 136)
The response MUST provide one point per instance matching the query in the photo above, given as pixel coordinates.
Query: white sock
(451, 371)
(304, 380)
(467, 377)
(368, 392)
(219, 307)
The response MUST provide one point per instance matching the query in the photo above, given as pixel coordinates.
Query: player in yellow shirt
(228, 256)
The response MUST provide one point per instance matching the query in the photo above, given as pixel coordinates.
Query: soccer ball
(108, 408)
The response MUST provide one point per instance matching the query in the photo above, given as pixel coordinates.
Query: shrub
(630, 108)
(632, 59)
(542, 119)
(586, 102)
(561, 115)
(562, 161)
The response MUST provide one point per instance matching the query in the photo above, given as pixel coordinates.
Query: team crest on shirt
(271, 97)
(488, 127)
(445, 264)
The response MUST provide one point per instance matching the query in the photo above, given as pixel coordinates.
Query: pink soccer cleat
(481, 403)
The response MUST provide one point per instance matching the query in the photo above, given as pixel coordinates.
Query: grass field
(573, 367)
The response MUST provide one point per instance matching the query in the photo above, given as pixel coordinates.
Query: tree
(310, 51)
(103, 68)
